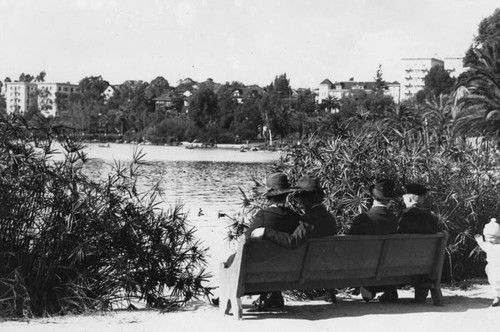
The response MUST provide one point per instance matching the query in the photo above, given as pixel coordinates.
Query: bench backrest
(341, 261)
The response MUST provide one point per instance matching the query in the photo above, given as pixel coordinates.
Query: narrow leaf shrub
(463, 183)
(69, 244)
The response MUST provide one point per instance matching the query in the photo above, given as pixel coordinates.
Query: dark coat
(281, 219)
(323, 222)
(417, 220)
(376, 221)
(317, 222)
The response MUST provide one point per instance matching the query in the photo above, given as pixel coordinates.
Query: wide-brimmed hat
(492, 228)
(382, 189)
(416, 189)
(278, 185)
(308, 183)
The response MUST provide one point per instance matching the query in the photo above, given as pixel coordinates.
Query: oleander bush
(69, 244)
(463, 182)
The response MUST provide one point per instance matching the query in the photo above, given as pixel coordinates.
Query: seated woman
(316, 221)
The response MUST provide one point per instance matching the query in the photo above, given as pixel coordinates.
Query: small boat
(190, 146)
(104, 145)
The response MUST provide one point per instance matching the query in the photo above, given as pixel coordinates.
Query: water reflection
(210, 186)
(205, 187)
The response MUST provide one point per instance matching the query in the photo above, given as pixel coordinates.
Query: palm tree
(402, 117)
(483, 83)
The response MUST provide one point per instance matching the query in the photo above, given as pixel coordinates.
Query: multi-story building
(338, 90)
(416, 69)
(20, 96)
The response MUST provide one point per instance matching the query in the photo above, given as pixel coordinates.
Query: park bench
(333, 262)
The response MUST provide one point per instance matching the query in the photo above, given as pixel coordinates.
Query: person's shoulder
(360, 217)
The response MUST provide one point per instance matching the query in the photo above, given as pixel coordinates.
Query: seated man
(315, 222)
(415, 219)
(378, 220)
(276, 216)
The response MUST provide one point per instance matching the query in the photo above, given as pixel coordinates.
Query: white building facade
(20, 96)
(417, 68)
(338, 90)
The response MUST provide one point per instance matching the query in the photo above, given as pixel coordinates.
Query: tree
(93, 87)
(3, 105)
(41, 77)
(488, 30)
(156, 88)
(379, 81)
(203, 107)
(483, 83)
(26, 78)
(227, 104)
(438, 81)
(281, 86)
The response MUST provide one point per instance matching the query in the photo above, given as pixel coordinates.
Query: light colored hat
(492, 228)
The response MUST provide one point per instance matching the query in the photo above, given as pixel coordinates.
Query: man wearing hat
(415, 219)
(276, 216)
(378, 220)
(315, 222)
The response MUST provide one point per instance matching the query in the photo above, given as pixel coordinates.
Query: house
(338, 90)
(243, 93)
(170, 102)
(110, 91)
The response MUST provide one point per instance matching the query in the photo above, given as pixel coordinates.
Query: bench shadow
(357, 307)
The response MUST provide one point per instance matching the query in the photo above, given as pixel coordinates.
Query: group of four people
(280, 224)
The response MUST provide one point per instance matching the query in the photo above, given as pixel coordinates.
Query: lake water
(206, 181)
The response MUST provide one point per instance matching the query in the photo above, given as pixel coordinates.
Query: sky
(250, 41)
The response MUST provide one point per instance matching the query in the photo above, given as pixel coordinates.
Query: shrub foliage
(69, 244)
(463, 182)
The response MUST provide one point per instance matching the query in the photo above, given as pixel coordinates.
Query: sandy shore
(463, 310)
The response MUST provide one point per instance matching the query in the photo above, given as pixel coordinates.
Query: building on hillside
(339, 90)
(110, 91)
(246, 92)
(20, 96)
(415, 71)
(417, 68)
(170, 102)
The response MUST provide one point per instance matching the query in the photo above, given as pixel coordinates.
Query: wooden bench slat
(334, 262)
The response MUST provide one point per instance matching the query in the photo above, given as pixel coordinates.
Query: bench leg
(237, 307)
(437, 295)
(229, 303)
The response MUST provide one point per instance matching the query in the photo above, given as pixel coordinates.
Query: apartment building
(415, 71)
(20, 96)
(348, 88)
